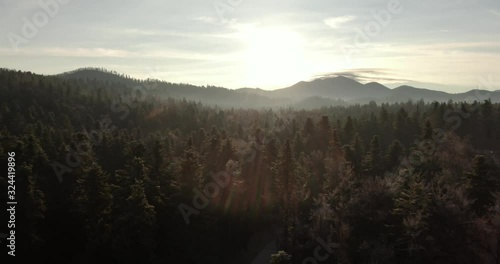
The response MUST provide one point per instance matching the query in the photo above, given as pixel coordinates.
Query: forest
(106, 172)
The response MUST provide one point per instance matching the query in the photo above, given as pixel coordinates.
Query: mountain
(338, 90)
(338, 87)
(255, 91)
(352, 91)
(479, 95)
(404, 93)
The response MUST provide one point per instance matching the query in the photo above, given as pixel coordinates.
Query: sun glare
(274, 57)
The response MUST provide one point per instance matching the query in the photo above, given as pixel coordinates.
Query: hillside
(305, 94)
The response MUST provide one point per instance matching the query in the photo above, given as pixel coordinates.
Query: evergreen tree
(190, 168)
(412, 205)
(394, 155)
(94, 200)
(373, 161)
(135, 225)
(285, 187)
(483, 183)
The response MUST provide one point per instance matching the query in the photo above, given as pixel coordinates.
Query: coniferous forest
(107, 173)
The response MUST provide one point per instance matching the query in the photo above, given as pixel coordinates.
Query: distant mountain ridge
(327, 91)
(337, 87)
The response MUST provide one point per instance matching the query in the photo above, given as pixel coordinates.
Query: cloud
(117, 53)
(380, 75)
(207, 19)
(494, 12)
(438, 49)
(336, 22)
(71, 52)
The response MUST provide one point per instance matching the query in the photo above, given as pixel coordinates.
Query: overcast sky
(448, 45)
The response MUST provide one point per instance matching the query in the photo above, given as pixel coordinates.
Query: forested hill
(108, 173)
(309, 95)
(210, 95)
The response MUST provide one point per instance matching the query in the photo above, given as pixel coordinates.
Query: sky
(449, 45)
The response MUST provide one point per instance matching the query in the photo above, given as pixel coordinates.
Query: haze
(448, 45)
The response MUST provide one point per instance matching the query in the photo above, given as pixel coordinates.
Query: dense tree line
(108, 172)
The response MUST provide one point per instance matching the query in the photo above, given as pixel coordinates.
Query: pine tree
(226, 153)
(427, 131)
(34, 205)
(483, 183)
(373, 161)
(94, 199)
(190, 169)
(357, 154)
(324, 133)
(134, 225)
(384, 115)
(412, 206)
(394, 155)
(285, 187)
(348, 129)
(309, 128)
(298, 144)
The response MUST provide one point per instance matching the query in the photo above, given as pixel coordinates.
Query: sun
(273, 58)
